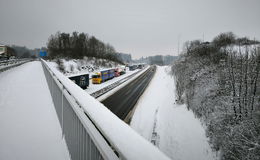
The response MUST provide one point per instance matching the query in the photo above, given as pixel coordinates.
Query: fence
(7, 64)
(83, 140)
(88, 134)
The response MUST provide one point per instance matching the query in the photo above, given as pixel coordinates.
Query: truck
(141, 66)
(102, 76)
(81, 80)
(3, 49)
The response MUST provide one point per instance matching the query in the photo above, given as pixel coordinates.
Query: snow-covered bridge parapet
(92, 131)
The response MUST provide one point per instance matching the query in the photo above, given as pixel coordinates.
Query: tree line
(24, 52)
(79, 45)
(157, 60)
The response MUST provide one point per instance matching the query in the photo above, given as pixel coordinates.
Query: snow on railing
(85, 119)
(7, 64)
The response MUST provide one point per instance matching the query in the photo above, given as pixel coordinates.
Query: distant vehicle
(6, 52)
(122, 72)
(102, 76)
(3, 52)
(117, 72)
(133, 67)
(140, 66)
(81, 80)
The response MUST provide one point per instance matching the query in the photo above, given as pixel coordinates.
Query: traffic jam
(102, 76)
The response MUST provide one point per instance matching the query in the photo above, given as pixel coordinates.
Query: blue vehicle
(103, 76)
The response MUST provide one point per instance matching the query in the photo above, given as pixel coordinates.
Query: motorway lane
(124, 100)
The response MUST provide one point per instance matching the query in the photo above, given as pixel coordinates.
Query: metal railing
(7, 64)
(88, 135)
(83, 140)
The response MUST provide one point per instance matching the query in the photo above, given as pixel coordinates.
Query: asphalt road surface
(124, 100)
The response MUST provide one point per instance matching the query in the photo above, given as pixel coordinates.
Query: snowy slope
(29, 126)
(170, 126)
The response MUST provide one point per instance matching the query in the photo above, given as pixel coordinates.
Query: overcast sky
(139, 27)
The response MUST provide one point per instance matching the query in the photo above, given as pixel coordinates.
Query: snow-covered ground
(29, 127)
(170, 126)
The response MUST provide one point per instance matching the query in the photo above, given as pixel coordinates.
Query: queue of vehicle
(102, 76)
(105, 75)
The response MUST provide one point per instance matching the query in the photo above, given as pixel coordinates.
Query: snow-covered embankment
(172, 127)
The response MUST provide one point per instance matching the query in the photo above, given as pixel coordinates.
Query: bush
(220, 84)
(61, 66)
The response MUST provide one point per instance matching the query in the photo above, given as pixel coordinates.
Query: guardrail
(7, 64)
(91, 131)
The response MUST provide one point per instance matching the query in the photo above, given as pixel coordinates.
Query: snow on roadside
(29, 125)
(173, 128)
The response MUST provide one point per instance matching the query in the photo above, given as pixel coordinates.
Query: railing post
(52, 81)
(62, 114)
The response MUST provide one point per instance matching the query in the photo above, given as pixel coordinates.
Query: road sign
(43, 53)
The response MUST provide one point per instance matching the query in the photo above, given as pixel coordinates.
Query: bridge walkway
(29, 127)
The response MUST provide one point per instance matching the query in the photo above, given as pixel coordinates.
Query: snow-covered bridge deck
(29, 127)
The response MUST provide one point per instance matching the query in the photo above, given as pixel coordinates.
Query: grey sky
(139, 27)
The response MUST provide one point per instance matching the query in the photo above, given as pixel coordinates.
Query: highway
(124, 100)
